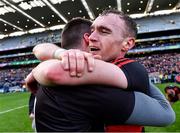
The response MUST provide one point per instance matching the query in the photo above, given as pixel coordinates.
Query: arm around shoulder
(51, 73)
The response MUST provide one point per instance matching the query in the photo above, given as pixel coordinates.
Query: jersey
(135, 73)
(122, 62)
(87, 107)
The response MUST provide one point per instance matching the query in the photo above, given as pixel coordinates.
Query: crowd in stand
(165, 66)
(13, 79)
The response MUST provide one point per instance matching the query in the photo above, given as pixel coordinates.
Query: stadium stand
(159, 23)
(29, 40)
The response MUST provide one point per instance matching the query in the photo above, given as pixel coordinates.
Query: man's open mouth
(94, 48)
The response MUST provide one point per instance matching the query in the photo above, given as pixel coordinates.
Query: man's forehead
(109, 21)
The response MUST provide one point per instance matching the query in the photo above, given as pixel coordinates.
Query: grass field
(14, 114)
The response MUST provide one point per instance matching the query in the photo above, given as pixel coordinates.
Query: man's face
(107, 37)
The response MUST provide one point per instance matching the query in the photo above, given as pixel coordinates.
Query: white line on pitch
(6, 111)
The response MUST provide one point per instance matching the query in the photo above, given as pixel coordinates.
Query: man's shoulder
(122, 61)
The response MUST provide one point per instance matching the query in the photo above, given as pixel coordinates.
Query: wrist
(57, 53)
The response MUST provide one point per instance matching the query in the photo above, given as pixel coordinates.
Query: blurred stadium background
(25, 23)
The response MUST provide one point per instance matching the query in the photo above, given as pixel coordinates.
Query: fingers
(90, 61)
(65, 60)
(74, 61)
(80, 64)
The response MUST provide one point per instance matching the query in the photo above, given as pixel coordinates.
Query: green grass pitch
(14, 114)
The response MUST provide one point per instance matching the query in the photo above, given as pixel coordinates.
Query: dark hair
(131, 26)
(169, 87)
(73, 32)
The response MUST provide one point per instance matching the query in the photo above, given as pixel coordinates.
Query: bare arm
(51, 73)
(44, 51)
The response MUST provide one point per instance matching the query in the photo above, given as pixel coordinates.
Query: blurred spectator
(6, 86)
(172, 93)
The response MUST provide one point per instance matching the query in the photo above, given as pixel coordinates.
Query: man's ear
(128, 44)
(86, 38)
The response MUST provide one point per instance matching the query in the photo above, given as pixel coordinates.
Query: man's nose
(93, 36)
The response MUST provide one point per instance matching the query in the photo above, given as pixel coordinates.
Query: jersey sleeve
(137, 77)
(156, 109)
